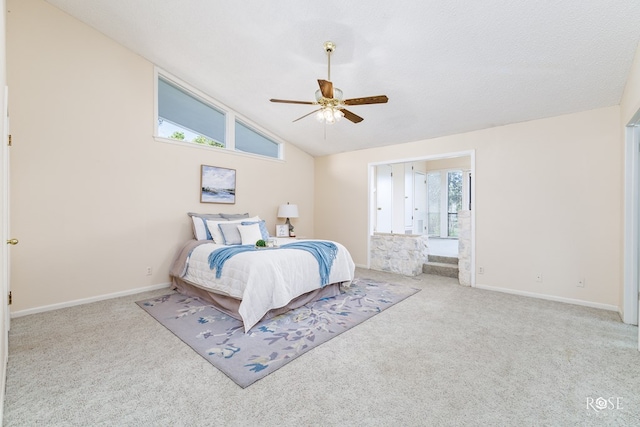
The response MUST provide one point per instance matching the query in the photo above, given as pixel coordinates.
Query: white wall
(95, 200)
(548, 200)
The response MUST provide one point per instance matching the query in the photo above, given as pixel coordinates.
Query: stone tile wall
(464, 247)
(399, 253)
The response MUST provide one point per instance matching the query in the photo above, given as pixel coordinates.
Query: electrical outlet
(581, 282)
(539, 277)
(480, 270)
(148, 271)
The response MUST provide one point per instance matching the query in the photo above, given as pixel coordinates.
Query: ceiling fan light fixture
(330, 99)
(329, 115)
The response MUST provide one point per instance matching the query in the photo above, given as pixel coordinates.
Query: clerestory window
(185, 115)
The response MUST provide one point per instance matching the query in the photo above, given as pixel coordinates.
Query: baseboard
(87, 300)
(607, 307)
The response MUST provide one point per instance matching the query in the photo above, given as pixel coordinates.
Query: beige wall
(630, 103)
(95, 200)
(548, 200)
(463, 163)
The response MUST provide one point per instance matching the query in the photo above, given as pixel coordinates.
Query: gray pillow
(234, 216)
(230, 233)
(206, 215)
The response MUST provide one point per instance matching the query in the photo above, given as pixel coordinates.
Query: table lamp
(288, 211)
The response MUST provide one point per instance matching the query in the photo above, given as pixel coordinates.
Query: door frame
(371, 216)
(4, 210)
(631, 221)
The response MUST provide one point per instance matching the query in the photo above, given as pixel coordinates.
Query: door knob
(12, 242)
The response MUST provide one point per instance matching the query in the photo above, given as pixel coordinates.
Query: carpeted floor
(449, 355)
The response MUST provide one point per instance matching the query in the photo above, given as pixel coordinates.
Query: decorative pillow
(200, 230)
(230, 233)
(263, 227)
(250, 233)
(215, 232)
(234, 216)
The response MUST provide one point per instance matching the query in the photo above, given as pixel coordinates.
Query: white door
(420, 203)
(384, 198)
(408, 197)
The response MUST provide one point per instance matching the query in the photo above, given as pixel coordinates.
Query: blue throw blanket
(324, 252)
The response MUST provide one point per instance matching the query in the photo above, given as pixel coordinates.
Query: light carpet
(271, 344)
(447, 356)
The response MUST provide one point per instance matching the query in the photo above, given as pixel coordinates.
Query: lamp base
(291, 232)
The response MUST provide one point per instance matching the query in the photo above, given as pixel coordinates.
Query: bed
(257, 284)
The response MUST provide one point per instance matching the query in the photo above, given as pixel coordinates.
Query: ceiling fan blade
(326, 87)
(380, 99)
(350, 116)
(286, 101)
(314, 111)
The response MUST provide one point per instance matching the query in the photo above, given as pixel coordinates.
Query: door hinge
(10, 299)
(9, 140)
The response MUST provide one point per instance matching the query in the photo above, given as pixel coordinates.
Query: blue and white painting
(218, 185)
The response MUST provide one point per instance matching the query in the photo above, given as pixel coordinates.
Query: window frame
(231, 117)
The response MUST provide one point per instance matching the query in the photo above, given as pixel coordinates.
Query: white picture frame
(282, 230)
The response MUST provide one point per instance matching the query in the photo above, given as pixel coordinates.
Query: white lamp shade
(288, 211)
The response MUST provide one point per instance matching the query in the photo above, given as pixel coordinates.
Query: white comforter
(265, 279)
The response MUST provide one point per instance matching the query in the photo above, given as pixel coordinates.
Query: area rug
(271, 344)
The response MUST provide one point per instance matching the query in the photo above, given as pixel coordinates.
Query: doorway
(401, 200)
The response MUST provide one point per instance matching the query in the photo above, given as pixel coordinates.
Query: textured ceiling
(447, 66)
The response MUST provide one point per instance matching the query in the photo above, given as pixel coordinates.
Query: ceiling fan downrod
(329, 47)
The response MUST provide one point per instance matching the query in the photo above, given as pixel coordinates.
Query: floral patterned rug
(269, 345)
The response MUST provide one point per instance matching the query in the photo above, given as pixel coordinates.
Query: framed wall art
(217, 185)
(282, 230)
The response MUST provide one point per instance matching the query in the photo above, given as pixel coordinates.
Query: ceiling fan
(329, 98)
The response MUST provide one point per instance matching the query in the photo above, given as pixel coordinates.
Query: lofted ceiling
(447, 66)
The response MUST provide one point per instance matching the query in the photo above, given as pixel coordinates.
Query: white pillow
(250, 234)
(216, 234)
(199, 230)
